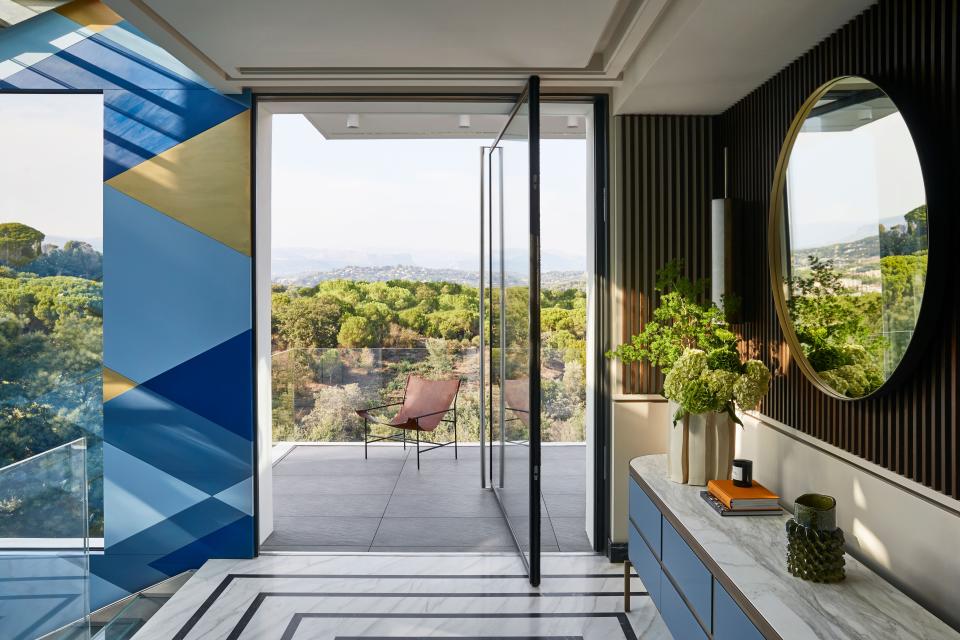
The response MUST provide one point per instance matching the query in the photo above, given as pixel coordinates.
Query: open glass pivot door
(510, 322)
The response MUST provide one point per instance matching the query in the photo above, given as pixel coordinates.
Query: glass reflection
(853, 237)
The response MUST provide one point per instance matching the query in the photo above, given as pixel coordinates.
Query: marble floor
(405, 597)
(329, 499)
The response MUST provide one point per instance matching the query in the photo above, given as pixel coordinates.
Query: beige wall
(906, 532)
(639, 428)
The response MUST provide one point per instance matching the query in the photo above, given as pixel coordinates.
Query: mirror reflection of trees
(854, 226)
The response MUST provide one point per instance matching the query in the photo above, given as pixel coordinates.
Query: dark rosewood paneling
(910, 49)
(667, 171)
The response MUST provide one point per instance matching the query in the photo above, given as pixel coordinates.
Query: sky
(842, 184)
(51, 164)
(415, 200)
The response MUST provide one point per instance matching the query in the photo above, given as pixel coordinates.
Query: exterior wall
(178, 359)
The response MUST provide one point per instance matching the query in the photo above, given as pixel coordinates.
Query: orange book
(733, 497)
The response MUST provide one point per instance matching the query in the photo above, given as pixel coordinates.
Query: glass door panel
(514, 295)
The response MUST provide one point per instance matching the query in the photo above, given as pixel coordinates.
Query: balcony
(327, 497)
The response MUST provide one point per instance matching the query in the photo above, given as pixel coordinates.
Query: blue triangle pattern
(207, 384)
(231, 541)
(177, 441)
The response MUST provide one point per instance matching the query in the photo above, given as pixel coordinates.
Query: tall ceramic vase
(701, 447)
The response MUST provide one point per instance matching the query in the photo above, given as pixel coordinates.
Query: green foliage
(19, 244)
(682, 320)
(908, 238)
(51, 345)
(690, 339)
(355, 331)
(840, 332)
(329, 337)
(77, 259)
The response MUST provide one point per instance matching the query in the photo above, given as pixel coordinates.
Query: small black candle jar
(742, 473)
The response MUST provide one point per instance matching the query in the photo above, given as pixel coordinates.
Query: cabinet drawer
(688, 572)
(729, 621)
(676, 615)
(646, 565)
(645, 515)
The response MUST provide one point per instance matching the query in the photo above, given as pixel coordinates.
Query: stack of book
(728, 499)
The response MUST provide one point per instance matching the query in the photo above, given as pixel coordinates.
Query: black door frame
(601, 303)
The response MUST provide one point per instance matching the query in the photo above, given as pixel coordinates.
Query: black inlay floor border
(230, 577)
(261, 597)
(628, 633)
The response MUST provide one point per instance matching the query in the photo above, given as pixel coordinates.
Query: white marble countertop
(751, 551)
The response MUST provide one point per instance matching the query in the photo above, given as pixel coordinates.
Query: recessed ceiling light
(353, 121)
(464, 122)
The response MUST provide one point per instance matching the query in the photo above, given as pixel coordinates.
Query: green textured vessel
(814, 542)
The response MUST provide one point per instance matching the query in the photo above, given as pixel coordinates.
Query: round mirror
(848, 237)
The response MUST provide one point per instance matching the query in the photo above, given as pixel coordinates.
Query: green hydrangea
(688, 368)
(752, 385)
(725, 359)
(699, 388)
(698, 397)
(721, 384)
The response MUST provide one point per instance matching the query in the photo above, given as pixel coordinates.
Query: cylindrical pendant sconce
(721, 247)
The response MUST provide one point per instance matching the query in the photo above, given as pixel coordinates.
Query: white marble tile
(447, 595)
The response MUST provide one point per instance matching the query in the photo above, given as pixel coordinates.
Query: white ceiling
(664, 56)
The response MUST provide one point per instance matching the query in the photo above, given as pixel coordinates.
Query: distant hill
(853, 251)
(548, 279)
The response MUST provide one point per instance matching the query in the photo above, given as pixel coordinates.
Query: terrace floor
(328, 498)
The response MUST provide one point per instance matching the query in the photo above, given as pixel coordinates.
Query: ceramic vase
(814, 541)
(700, 447)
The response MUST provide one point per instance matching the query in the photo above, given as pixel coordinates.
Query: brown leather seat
(424, 405)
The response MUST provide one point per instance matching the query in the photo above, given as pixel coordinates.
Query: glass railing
(44, 545)
(316, 391)
(54, 410)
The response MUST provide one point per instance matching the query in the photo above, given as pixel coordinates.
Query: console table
(726, 578)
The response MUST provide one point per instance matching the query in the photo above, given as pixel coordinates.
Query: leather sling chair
(424, 406)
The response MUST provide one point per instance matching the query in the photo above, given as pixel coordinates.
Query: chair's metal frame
(402, 437)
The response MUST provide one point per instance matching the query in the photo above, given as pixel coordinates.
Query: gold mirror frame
(775, 254)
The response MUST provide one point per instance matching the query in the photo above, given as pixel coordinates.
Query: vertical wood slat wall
(910, 49)
(667, 177)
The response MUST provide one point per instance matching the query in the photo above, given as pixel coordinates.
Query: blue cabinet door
(645, 515)
(676, 615)
(692, 578)
(646, 565)
(729, 621)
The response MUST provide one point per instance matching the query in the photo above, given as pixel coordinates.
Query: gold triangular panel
(203, 182)
(92, 14)
(115, 384)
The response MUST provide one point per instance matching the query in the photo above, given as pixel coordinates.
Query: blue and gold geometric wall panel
(137, 504)
(201, 383)
(202, 182)
(178, 346)
(191, 306)
(183, 444)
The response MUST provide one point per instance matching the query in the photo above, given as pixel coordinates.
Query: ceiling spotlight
(573, 122)
(464, 122)
(353, 121)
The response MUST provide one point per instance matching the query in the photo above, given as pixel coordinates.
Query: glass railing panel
(44, 544)
(316, 391)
